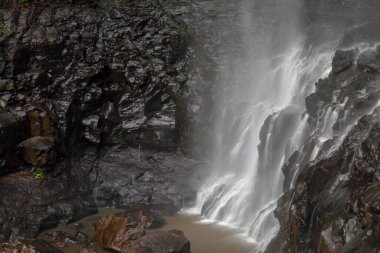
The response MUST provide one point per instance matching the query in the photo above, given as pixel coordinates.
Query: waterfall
(254, 142)
(261, 118)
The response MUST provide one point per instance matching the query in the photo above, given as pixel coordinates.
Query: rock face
(123, 177)
(29, 206)
(13, 130)
(79, 80)
(125, 232)
(333, 206)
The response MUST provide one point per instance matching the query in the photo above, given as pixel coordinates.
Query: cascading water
(262, 124)
(254, 143)
(261, 119)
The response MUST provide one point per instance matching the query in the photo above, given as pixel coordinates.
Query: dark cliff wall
(78, 78)
(333, 206)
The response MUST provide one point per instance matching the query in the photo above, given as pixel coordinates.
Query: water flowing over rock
(321, 213)
(271, 118)
(100, 100)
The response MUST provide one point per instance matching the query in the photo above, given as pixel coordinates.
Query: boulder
(113, 230)
(28, 246)
(343, 60)
(38, 150)
(125, 232)
(370, 59)
(171, 241)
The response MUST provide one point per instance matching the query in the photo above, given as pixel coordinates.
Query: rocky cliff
(90, 92)
(333, 206)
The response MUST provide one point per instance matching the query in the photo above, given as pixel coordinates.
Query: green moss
(38, 173)
(3, 29)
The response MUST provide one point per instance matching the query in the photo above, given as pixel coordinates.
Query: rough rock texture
(38, 151)
(122, 177)
(125, 232)
(12, 132)
(93, 78)
(334, 204)
(28, 206)
(28, 246)
(171, 241)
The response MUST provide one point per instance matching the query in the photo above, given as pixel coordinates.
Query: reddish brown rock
(28, 246)
(125, 232)
(38, 150)
(40, 124)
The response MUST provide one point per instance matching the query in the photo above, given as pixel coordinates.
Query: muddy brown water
(204, 236)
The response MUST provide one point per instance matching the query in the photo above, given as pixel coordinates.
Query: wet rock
(370, 59)
(92, 248)
(153, 178)
(28, 246)
(40, 123)
(172, 241)
(124, 232)
(38, 151)
(335, 198)
(13, 130)
(59, 238)
(6, 85)
(29, 205)
(134, 217)
(92, 78)
(343, 60)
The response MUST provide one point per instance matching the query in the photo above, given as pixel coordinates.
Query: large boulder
(125, 232)
(131, 224)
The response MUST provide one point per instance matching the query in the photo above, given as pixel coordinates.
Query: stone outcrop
(125, 232)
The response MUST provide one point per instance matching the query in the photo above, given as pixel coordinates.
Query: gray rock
(343, 60)
(370, 60)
